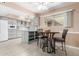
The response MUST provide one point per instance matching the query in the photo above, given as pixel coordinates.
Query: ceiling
(34, 6)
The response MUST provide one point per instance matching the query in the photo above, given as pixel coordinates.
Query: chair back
(64, 33)
(39, 31)
(47, 30)
(47, 33)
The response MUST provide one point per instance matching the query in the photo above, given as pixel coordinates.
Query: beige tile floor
(16, 47)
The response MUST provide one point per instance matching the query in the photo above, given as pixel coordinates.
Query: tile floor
(16, 47)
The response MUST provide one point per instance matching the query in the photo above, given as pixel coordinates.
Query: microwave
(12, 26)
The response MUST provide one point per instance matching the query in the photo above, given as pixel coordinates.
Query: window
(61, 19)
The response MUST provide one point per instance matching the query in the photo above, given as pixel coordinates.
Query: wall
(73, 35)
(15, 6)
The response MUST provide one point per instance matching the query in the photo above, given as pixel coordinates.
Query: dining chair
(62, 40)
(45, 42)
(39, 35)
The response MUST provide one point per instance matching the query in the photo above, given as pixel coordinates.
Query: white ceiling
(33, 6)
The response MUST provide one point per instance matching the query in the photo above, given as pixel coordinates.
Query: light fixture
(42, 6)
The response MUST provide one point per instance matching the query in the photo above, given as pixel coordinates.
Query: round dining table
(49, 37)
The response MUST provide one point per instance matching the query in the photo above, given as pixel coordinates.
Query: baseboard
(13, 38)
(72, 47)
(3, 41)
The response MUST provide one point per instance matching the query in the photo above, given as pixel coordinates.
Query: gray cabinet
(3, 30)
(12, 33)
(12, 26)
(19, 33)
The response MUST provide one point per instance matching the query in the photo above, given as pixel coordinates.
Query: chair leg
(62, 45)
(37, 42)
(51, 46)
(47, 45)
(43, 47)
(54, 47)
(65, 49)
(40, 43)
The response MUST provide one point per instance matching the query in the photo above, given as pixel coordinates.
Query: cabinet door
(3, 30)
(19, 33)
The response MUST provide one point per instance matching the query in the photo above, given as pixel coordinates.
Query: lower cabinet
(28, 36)
(32, 35)
(13, 33)
(19, 33)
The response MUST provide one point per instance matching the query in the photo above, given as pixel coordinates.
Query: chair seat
(44, 37)
(58, 39)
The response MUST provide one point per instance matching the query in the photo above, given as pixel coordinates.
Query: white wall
(7, 10)
(3, 30)
(34, 24)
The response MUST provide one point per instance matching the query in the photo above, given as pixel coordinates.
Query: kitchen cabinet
(3, 30)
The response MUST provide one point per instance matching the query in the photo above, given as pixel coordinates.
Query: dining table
(49, 36)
